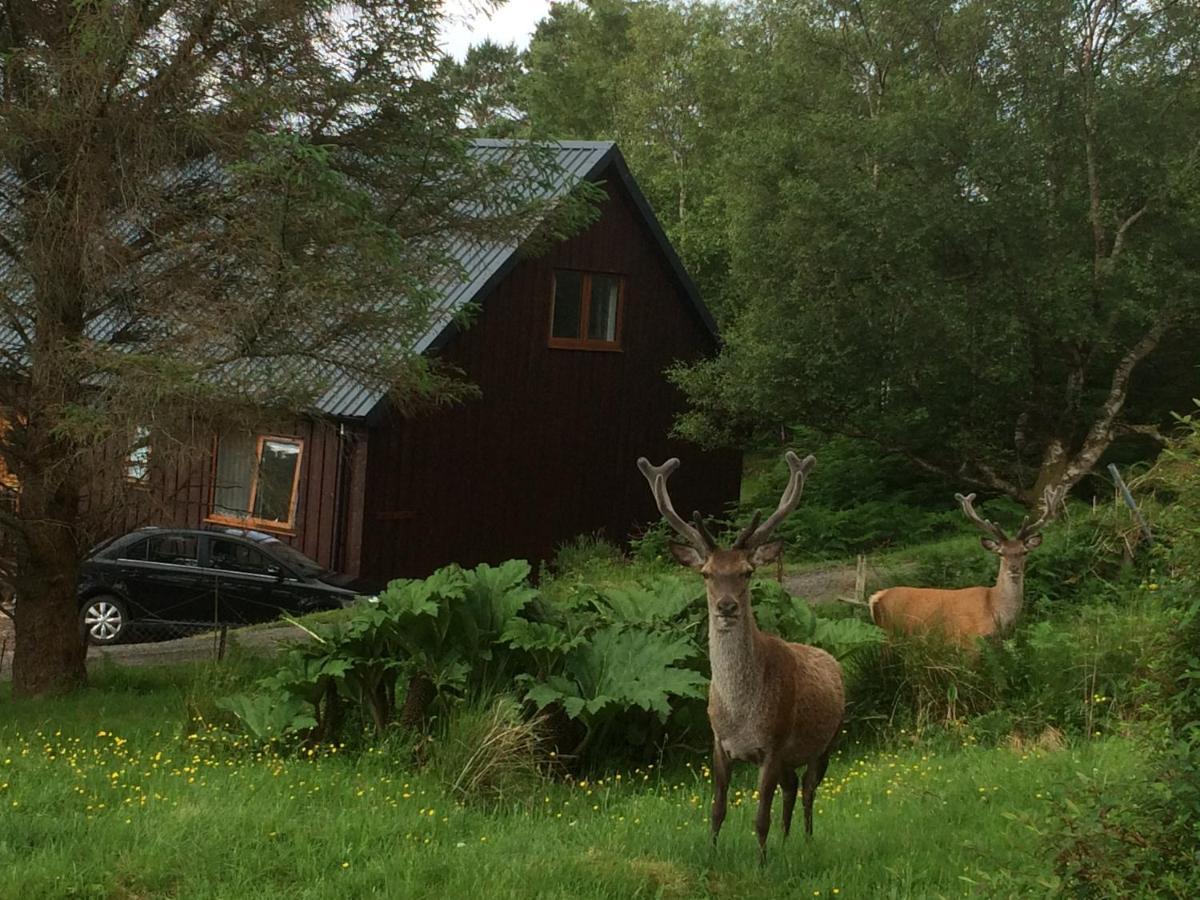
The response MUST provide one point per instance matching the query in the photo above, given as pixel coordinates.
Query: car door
(163, 580)
(246, 580)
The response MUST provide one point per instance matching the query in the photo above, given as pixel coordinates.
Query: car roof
(260, 537)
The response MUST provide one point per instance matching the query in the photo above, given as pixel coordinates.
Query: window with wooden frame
(586, 310)
(137, 459)
(256, 480)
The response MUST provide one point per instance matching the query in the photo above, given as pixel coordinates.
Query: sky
(512, 23)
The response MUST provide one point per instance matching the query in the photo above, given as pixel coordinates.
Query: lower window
(256, 479)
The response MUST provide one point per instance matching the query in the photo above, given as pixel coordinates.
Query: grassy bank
(110, 793)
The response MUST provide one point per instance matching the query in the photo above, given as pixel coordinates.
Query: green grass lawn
(110, 793)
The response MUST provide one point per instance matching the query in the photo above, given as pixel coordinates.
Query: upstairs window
(256, 480)
(586, 311)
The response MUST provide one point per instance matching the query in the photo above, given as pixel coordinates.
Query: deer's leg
(789, 784)
(722, 765)
(768, 780)
(813, 774)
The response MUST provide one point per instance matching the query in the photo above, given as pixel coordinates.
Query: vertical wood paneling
(186, 494)
(549, 450)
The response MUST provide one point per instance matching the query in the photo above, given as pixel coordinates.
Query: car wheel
(104, 620)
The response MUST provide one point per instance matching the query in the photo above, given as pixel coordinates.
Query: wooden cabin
(568, 350)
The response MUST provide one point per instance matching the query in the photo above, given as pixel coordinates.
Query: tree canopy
(961, 231)
(962, 228)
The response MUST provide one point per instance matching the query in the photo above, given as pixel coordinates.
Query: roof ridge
(565, 144)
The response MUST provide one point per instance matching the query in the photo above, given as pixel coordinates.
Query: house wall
(331, 473)
(549, 450)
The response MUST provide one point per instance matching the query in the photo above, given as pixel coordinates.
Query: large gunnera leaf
(621, 667)
(662, 599)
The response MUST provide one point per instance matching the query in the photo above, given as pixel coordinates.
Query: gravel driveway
(262, 640)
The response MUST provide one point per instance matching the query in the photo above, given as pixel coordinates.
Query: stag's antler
(754, 534)
(968, 508)
(657, 477)
(1052, 500)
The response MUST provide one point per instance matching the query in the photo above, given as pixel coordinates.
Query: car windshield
(293, 558)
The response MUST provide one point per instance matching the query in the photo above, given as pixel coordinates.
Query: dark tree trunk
(50, 650)
(417, 700)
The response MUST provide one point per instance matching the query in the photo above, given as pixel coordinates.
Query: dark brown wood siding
(549, 450)
(327, 493)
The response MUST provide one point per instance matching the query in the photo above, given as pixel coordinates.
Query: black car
(170, 579)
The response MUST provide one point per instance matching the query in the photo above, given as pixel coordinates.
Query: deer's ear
(989, 544)
(1033, 541)
(766, 553)
(686, 555)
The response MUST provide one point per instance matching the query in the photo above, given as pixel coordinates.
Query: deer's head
(1014, 550)
(726, 572)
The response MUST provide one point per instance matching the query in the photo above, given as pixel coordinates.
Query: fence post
(1131, 503)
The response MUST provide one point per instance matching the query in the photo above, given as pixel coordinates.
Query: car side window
(175, 549)
(136, 550)
(234, 556)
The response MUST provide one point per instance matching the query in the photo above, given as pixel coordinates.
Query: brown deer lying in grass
(775, 704)
(969, 613)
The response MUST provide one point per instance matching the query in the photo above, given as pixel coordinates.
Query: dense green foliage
(608, 665)
(962, 228)
(960, 231)
(857, 501)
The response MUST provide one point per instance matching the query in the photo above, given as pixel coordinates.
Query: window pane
(136, 551)
(602, 315)
(235, 471)
(276, 476)
(178, 549)
(568, 300)
(137, 463)
(234, 556)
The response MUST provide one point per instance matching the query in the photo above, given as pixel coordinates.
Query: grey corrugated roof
(478, 266)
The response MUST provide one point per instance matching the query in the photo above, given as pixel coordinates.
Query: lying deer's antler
(1052, 500)
(968, 508)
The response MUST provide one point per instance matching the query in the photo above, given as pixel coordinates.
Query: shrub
(1081, 671)
(489, 752)
(1141, 841)
(859, 499)
(620, 670)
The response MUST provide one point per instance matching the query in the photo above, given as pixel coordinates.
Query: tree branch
(1151, 431)
(1119, 239)
(1100, 435)
(987, 477)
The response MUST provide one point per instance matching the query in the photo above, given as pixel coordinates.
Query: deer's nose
(726, 606)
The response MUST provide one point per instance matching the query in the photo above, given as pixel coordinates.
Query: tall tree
(486, 87)
(661, 78)
(962, 229)
(208, 208)
(572, 88)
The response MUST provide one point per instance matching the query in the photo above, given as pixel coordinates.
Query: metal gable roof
(481, 265)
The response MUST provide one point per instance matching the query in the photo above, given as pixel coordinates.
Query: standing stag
(969, 613)
(772, 703)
